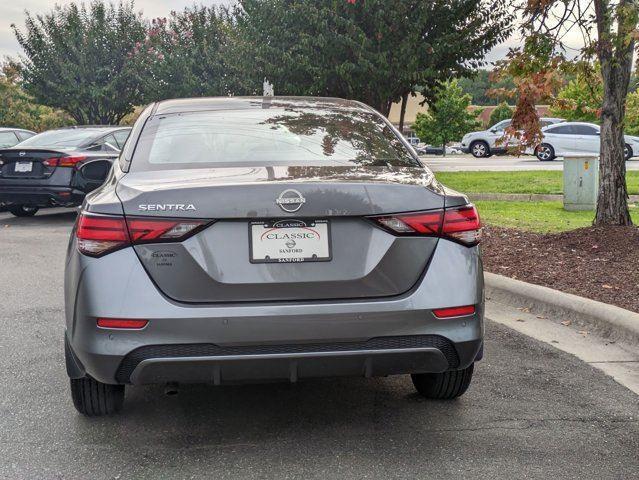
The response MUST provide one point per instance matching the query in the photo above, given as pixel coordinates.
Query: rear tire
(627, 152)
(94, 399)
(545, 153)
(480, 149)
(23, 210)
(445, 385)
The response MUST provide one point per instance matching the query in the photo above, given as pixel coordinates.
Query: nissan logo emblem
(22, 154)
(290, 200)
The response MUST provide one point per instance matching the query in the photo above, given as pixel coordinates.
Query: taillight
(460, 223)
(101, 234)
(98, 235)
(454, 311)
(148, 230)
(64, 161)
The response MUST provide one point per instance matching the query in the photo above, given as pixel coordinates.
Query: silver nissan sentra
(276, 238)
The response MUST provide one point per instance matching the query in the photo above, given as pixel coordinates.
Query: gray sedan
(261, 239)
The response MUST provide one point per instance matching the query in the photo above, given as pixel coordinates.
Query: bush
(502, 112)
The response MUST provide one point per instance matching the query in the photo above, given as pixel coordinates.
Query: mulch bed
(597, 263)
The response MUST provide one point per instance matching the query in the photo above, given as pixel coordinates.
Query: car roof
(97, 128)
(184, 105)
(581, 123)
(10, 129)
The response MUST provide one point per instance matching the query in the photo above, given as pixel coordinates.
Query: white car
(485, 143)
(575, 138)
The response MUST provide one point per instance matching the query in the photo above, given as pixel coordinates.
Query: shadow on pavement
(44, 218)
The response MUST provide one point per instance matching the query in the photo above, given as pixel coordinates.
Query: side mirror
(96, 171)
(493, 130)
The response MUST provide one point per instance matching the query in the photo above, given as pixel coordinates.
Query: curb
(527, 197)
(611, 322)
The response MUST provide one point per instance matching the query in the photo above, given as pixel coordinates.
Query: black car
(57, 168)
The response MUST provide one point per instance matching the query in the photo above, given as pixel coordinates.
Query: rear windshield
(71, 138)
(268, 137)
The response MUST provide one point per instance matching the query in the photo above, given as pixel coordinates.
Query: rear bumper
(41, 196)
(231, 343)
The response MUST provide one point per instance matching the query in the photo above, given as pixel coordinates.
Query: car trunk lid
(221, 262)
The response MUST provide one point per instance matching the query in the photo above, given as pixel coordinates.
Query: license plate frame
(23, 167)
(322, 252)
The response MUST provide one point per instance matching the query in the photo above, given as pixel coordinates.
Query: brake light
(460, 223)
(454, 311)
(101, 234)
(97, 235)
(121, 323)
(64, 161)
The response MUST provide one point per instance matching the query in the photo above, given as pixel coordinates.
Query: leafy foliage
(374, 51)
(448, 118)
(77, 59)
(186, 55)
(631, 125)
(580, 99)
(502, 112)
(17, 109)
(481, 83)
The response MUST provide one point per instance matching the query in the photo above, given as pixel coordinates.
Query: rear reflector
(461, 224)
(100, 234)
(121, 323)
(454, 311)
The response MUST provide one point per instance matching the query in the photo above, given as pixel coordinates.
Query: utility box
(581, 182)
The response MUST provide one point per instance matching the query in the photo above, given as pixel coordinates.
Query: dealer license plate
(290, 241)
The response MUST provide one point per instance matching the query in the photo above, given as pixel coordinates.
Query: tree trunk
(402, 112)
(615, 50)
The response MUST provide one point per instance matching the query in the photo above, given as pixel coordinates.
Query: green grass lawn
(543, 182)
(541, 217)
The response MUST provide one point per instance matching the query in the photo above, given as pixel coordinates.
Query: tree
(580, 99)
(502, 112)
(632, 114)
(448, 118)
(77, 59)
(615, 23)
(185, 55)
(479, 84)
(17, 109)
(376, 51)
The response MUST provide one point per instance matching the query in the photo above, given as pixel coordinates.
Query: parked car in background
(486, 142)
(231, 245)
(575, 138)
(12, 136)
(412, 139)
(57, 167)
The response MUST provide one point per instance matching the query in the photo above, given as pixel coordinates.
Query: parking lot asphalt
(531, 412)
(497, 163)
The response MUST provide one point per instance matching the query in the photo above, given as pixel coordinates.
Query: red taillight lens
(463, 224)
(454, 311)
(63, 161)
(427, 223)
(101, 234)
(460, 223)
(152, 230)
(122, 323)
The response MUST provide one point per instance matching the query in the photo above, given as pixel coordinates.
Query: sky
(12, 11)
